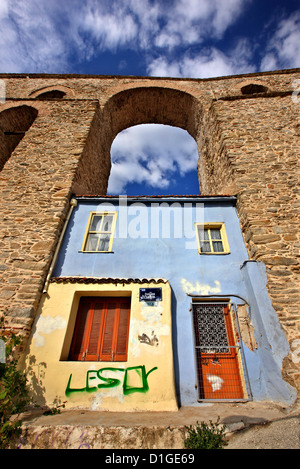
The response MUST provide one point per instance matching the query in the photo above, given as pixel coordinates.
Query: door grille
(211, 327)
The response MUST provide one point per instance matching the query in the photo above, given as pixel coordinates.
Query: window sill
(214, 253)
(97, 252)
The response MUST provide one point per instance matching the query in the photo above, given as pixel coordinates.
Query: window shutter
(108, 333)
(123, 329)
(78, 342)
(101, 330)
(96, 320)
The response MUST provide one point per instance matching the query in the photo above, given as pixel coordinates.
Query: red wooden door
(216, 353)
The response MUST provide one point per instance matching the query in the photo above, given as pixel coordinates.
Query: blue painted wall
(141, 256)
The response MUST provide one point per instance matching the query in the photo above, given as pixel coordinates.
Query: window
(212, 238)
(100, 231)
(101, 329)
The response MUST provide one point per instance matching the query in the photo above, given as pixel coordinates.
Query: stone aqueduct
(55, 137)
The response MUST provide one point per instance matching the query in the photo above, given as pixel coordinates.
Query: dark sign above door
(150, 294)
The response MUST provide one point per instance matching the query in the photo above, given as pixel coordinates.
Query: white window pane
(104, 243)
(218, 246)
(205, 246)
(96, 223)
(107, 224)
(203, 234)
(215, 233)
(92, 242)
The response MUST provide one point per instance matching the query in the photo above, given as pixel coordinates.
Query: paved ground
(281, 434)
(250, 425)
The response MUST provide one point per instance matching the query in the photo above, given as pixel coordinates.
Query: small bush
(13, 392)
(206, 436)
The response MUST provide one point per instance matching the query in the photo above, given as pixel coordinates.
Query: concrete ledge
(100, 437)
(152, 430)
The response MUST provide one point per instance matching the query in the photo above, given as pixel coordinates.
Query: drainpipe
(218, 296)
(73, 203)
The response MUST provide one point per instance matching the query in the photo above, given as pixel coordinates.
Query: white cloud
(210, 62)
(3, 8)
(151, 154)
(31, 40)
(192, 21)
(110, 29)
(177, 37)
(42, 36)
(143, 24)
(283, 50)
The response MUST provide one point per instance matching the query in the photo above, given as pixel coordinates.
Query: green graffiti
(132, 374)
(108, 382)
(141, 372)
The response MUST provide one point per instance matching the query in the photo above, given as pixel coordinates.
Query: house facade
(152, 303)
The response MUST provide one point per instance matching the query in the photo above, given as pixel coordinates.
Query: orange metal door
(216, 353)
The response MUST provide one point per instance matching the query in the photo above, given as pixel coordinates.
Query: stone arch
(52, 92)
(14, 123)
(252, 87)
(152, 105)
(145, 105)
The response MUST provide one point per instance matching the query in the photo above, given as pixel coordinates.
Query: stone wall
(36, 184)
(247, 132)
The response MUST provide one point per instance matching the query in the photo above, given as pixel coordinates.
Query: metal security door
(217, 358)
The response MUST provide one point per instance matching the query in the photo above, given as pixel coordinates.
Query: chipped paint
(148, 329)
(110, 393)
(200, 288)
(296, 351)
(47, 325)
(246, 328)
(139, 328)
(216, 382)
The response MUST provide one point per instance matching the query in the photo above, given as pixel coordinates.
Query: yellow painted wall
(49, 370)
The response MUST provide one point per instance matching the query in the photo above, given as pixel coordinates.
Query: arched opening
(56, 91)
(253, 88)
(153, 159)
(133, 107)
(152, 105)
(52, 94)
(14, 123)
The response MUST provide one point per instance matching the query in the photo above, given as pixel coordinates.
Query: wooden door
(218, 366)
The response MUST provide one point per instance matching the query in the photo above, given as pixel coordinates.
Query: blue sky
(175, 38)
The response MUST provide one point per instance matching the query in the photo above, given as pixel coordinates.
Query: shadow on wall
(35, 373)
(57, 270)
(175, 346)
(14, 123)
